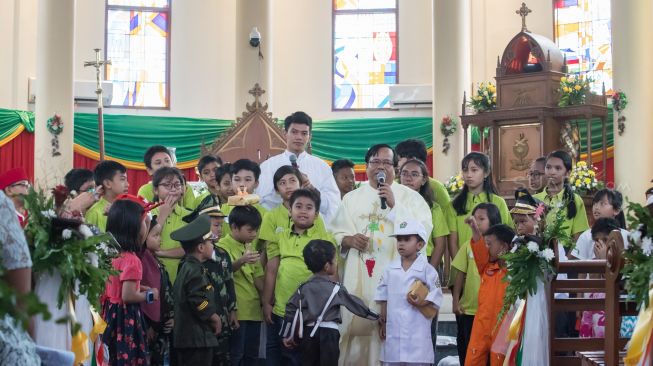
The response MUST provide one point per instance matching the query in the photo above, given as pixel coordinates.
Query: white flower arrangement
(532, 247)
(547, 254)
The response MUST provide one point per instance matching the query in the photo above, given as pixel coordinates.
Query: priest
(363, 226)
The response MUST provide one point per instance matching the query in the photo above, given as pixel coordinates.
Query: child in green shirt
(286, 269)
(244, 222)
(465, 306)
(110, 178)
(168, 186)
(157, 157)
(558, 194)
(207, 169)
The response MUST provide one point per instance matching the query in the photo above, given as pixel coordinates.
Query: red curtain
(19, 152)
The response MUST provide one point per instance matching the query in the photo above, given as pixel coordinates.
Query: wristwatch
(149, 296)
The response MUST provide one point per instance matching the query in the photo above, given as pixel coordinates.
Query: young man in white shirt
(316, 173)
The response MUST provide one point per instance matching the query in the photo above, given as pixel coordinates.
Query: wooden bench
(590, 351)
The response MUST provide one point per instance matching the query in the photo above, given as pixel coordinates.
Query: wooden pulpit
(255, 135)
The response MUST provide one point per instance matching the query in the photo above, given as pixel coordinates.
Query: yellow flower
(478, 98)
(563, 79)
(566, 89)
(492, 88)
(592, 173)
(582, 163)
(577, 183)
(494, 99)
(587, 181)
(577, 87)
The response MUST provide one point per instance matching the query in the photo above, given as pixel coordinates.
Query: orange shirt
(492, 290)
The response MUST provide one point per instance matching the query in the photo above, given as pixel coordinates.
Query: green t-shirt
(226, 229)
(95, 215)
(278, 219)
(188, 200)
(173, 222)
(464, 262)
(440, 227)
(248, 300)
(575, 225)
(292, 268)
(457, 222)
(440, 193)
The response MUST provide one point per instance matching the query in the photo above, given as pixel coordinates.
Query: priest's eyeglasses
(375, 162)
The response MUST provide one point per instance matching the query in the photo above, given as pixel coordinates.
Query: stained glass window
(583, 33)
(137, 43)
(364, 53)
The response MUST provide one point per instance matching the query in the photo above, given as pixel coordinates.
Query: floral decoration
(573, 90)
(529, 261)
(55, 127)
(485, 98)
(638, 267)
(583, 178)
(448, 127)
(619, 103)
(454, 184)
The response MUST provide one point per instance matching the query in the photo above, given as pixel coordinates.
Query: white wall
(207, 41)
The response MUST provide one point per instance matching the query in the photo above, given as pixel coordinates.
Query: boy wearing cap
(222, 278)
(16, 186)
(405, 323)
(196, 320)
(487, 249)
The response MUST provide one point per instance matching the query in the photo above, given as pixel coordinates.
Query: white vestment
(361, 213)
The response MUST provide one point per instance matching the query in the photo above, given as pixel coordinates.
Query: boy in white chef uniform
(406, 332)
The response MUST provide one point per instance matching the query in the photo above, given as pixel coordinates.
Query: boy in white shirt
(405, 323)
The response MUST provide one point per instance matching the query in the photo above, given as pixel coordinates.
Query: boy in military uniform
(221, 276)
(313, 312)
(196, 320)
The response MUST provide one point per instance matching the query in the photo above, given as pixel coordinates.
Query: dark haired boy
(286, 269)
(207, 170)
(244, 222)
(79, 180)
(156, 157)
(343, 173)
(316, 305)
(244, 177)
(112, 176)
(487, 249)
(196, 320)
(316, 173)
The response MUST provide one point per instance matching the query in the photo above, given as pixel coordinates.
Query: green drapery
(350, 138)
(127, 136)
(11, 120)
(597, 130)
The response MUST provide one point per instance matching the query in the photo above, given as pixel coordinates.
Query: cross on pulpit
(257, 91)
(523, 12)
(98, 63)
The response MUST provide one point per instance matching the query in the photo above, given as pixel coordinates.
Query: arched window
(364, 53)
(138, 44)
(583, 33)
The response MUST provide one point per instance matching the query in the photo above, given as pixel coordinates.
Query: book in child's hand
(418, 292)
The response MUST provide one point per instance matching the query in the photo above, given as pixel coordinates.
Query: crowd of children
(203, 282)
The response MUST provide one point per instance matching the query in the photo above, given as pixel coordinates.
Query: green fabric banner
(127, 137)
(597, 131)
(350, 138)
(11, 120)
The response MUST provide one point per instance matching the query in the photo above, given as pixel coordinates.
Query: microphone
(293, 161)
(380, 179)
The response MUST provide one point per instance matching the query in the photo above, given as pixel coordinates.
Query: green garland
(529, 261)
(65, 246)
(638, 267)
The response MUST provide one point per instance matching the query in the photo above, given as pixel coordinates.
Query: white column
(451, 77)
(631, 25)
(54, 91)
(249, 68)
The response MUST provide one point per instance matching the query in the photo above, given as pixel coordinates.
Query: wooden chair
(591, 351)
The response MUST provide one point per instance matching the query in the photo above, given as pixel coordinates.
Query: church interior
(532, 108)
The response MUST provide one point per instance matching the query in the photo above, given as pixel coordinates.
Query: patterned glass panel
(140, 3)
(583, 33)
(364, 59)
(364, 4)
(137, 45)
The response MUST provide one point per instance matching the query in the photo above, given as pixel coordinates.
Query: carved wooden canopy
(255, 136)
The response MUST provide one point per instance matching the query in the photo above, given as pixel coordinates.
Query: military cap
(526, 204)
(197, 231)
(213, 212)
